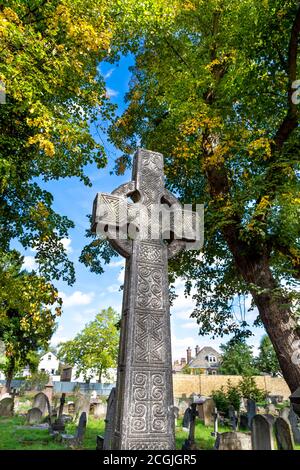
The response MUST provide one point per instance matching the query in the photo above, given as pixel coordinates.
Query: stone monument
(144, 417)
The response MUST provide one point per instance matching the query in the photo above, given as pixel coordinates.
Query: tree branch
(290, 121)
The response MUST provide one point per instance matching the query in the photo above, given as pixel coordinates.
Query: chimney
(183, 361)
(188, 355)
(197, 349)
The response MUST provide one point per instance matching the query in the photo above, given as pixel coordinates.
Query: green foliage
(211, 90)
(29, 306)
(267, 361)
(37, 381)
(224, 398)
(237, 359)
(249, 389)
(95, 349)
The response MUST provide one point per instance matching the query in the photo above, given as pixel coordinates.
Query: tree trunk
(9, 377)
(274, 311)
(100, 377)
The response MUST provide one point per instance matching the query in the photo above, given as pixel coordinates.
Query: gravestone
(76, 440)
(82, 405)
(41, 401)
(232, 417)
(251, 411)
(261, 432)
(233, 441)
(216, 423)
(288, 414)
(283, 434)
(34, 416)
(144, 391)
(206, 407)
(6, 407)
(110, 419)
(48, 390)
(186, 419)
(189, 443)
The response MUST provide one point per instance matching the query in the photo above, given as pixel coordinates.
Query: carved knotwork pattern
(150, 253)
(154, 445)
(149, 287)
(149, 338)
(148, 409)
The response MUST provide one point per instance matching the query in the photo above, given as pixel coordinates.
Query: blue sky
(92, 292)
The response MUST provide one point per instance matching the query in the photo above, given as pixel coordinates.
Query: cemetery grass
(12, 438)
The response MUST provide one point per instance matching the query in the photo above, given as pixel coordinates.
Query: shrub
(37, 381)
(249, 389)
(223, 399)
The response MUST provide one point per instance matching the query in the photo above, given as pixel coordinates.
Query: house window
(52, 371)
(49, 357)
(212, 359)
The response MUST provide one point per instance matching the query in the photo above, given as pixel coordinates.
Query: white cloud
(113, 288)
(66, 242)
(111, 93)
(117, 264)
(121, 276)
(189, 325)
(108, 74)
(29, 263)
(77, 298)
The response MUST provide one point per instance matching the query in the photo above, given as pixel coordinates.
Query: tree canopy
(237, 359)
(212, 89)
(267, 361)
(95, 349)
(29, 307)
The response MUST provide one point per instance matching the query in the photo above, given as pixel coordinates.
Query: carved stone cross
(143, 413)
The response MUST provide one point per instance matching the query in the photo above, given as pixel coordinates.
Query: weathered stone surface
(6, 407)
(261, 432)
(82, 405)
(34, 416)
(144, 394)
(110, 419)
(41, 401)
(251, 411)
(283, 434)
(77, 439)
(233, 441)
(206, 411)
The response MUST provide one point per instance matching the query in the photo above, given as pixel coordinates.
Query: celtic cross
(143, 415)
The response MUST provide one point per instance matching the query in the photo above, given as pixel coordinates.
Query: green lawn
(12, 438)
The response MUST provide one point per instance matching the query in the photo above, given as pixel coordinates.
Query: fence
(68, 387)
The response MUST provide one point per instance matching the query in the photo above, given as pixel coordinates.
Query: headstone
(295, 425)
(59, 423)
(261, 433)
(216, 423)
(283, 434)
(34, 416)
(110, 420)
(144, 398)
(41, 401)
(289, 415)
(71, 407)
(206, 411)
(82, 405)
(99, 443)
(233, 441)
(6, 407)
(251, 411)
(232, 417)
(189, 443)
(243, 421)
(77, 439)
(186, 419)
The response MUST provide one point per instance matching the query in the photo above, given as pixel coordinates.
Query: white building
(49, 363)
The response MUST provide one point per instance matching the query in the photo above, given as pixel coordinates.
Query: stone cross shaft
(143, 416)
